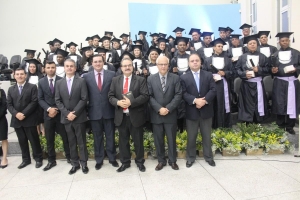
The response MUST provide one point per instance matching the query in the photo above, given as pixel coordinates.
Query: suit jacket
(169, 99)
(3, 104)
(25, 103)
(76, 101)
(190, 92)
(45, 97)
(139, 89)
(99, 106)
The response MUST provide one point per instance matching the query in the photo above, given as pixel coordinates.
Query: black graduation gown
(192, 42)
(201, 52)
(78, 61)
(174, 63)
(280, 87)
(113, 58)
(230, 55)
(3, 112)
(248, 102)
(221, 119)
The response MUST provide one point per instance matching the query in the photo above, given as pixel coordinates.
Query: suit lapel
(23, 90)
(191, 74)
(158, 82)
(92, 77)
(133, 80)
(167, 82)
(105, 74)
(73, 85)
(201, 80)
(47, 86)
(121, 80)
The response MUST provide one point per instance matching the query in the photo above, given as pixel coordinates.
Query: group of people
(126, 87)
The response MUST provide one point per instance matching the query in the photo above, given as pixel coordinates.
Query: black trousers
(29, 133)
(284, 121)
(159, 132)
(51, 126)
(125, 130)
(192, 131)
(107, 126)
(77, 137)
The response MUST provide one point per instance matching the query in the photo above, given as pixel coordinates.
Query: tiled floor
(257, 177)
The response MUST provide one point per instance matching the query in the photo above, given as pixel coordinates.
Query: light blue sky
(165, 18)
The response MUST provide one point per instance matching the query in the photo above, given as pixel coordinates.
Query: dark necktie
(51, 86)
(163, 83)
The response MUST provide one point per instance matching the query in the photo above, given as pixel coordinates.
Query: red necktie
(99, 82)
(125, 89)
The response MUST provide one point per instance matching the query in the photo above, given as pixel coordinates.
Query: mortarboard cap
(62, 52)
(260, 33)
(181, 39)
(108, 33)
(229, 29)
(139, 41)
(57, 41)
(105, 38)
(84, 49)
(245, 26)
(284, 34)
(96, 36)
(235, 36)
(30, 51)
(154, 35)
(195, 30)
(222, 29)
(50, 43)
(34, 61)
(204, 34)
(217, 41)
(249, 38)
(124, 35)
(170, 36)
(140, 47)
(178, 29)
(116, 40)
(88, 38)
(71, 44)
(159, 40)
(127, 53)
(101, 50)
(153, 49)
(142, 32)
(162, 35)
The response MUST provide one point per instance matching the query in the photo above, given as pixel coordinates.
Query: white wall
(32, 23)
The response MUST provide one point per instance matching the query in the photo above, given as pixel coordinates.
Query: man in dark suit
(71, 97)
(165, 96)
(46, 93)
(100, 111)
(22, 103)
(128, 94)
(199, 96)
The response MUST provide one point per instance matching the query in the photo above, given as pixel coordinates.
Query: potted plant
(181, 142)
(228, 141)
(90, 145)
(253, 144)
(147, 145)
(43, 142)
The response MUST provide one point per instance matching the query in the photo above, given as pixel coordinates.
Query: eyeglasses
(165, 65)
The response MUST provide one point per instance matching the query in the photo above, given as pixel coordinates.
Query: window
(284, 14)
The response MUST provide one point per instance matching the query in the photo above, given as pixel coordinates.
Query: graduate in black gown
(223, 36)
(142, 37)
(112, 56)
(86, 61)
(95, 43)
(29, 55)
(246, 30)
(163, 46)
(196, 42)
(33, 76)
(251, 68)
(286, 87)
(264, 47)
(153, 54)
(89, 41)
(179, 63)
(56, 45)
(154, 41)
(206, 50)
(139, 62)
(77, 58)
(220, 66)
(60, 56)
(126, 43)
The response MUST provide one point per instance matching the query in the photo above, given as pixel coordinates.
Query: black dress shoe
(290, 131)
(73, 170)
(85, 170)
(23, 164)
(189, 164)
(38, 164)
(160, 166)
(142, 167)
(211, 163)
(123, 167)
(68, 160)
(174, 166)
(3, 166)
(114, 163)
(98, 166)
(50, 165)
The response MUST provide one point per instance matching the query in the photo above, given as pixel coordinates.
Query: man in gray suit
(165, 96)
(71, 99)
(100, 111)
